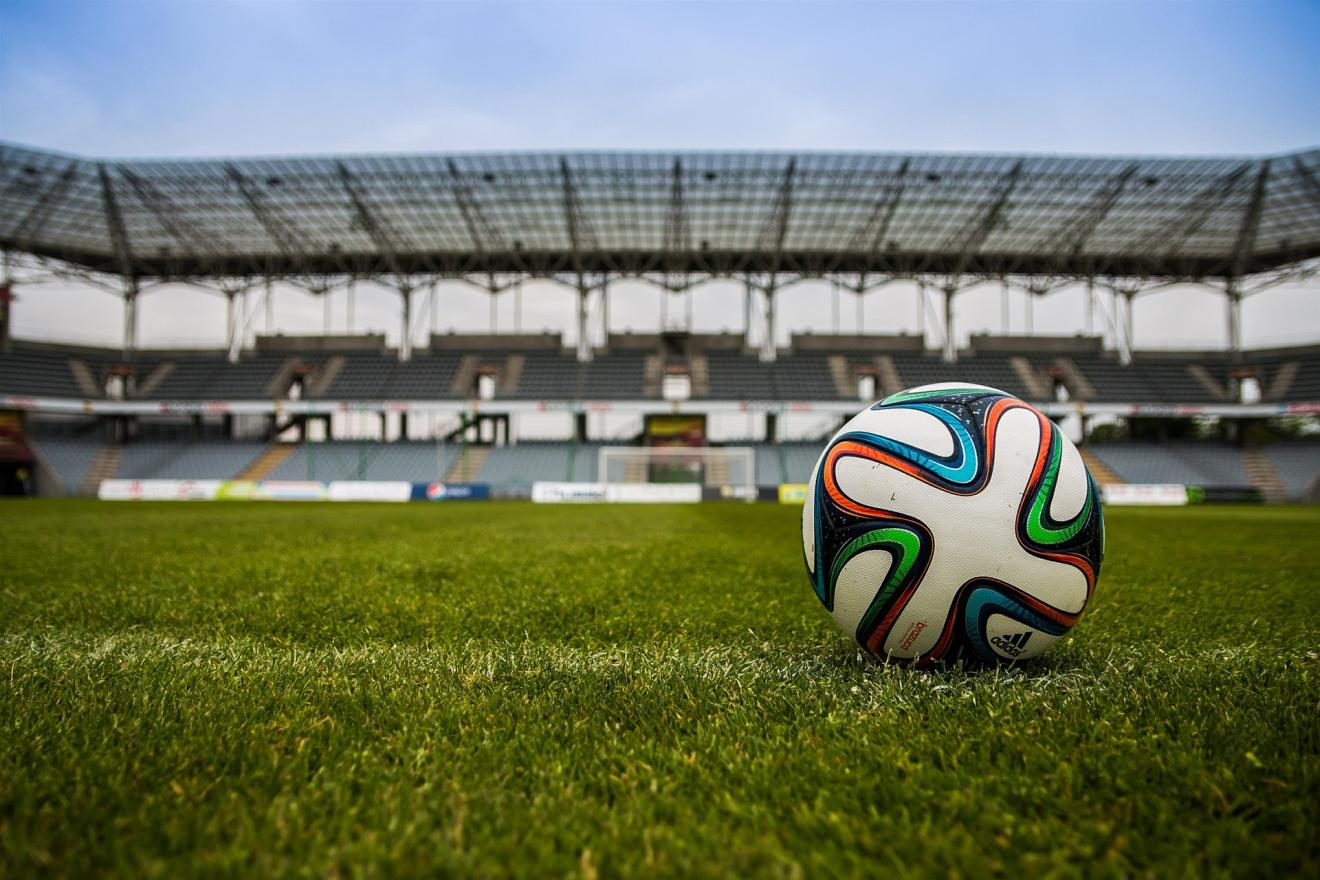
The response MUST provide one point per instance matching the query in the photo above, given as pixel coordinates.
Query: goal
(714, 467)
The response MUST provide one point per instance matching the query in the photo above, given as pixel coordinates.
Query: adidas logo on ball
(1011, 645)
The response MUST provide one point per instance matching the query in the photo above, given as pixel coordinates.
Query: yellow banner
(792, 493)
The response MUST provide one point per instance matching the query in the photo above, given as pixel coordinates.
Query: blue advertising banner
(450, 491)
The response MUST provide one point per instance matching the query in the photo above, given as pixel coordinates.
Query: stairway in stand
(636, 470)
(717, 471)
(1260, 470)
(1103, 474)
(469, 464)
(104, 467)
(262, 466)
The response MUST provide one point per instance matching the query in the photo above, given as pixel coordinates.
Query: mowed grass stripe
(627, 690)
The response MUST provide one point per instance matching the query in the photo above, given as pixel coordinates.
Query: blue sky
(200, 78)
(122, 79)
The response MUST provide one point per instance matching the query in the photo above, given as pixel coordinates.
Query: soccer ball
(951, 522)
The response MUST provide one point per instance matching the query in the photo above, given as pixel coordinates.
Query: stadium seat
(1187, 463)
(368, 460)
(1297, 463)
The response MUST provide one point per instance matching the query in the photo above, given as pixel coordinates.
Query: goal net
(715, 467)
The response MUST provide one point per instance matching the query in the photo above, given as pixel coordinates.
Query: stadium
(446, 408)
(521, 583)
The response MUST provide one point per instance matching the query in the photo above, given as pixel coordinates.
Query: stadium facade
(416, 223)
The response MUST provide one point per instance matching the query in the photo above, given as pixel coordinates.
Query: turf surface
(554, 691)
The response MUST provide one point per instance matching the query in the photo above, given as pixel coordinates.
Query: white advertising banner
(1150, 494)
(617, 493)
(361, 490)
(567, 493)
(158, 490)
(653, 493)
(288, 490)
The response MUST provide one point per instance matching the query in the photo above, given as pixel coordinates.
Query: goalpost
(712, 467)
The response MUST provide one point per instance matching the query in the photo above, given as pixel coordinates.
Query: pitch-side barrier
(386, 491)
(400, 491)
(546, 492)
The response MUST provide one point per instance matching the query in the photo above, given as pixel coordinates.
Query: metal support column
(921, 311)
(747, 314)
(861, 309)
(349, 296)
(605, 311)
(1234, 318)
(405, 337)
(834, 305)
(1125, 343)
(517, 306)
(494, 312)
(1029, 312)
(1090, 306)
(434, 303)
(1003, 308)
(130, 317)
(327, 323)
(270, 308)
(768, 344)
(6, 302)
(950, 337)
(231, 325)
(583, 339)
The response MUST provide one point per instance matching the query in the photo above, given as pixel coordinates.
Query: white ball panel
(1070, 491)
(911, 426)
(859, 581)
(878, 485)
(944, 386)
(809, 519)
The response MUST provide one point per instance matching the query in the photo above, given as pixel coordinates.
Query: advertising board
(366, 490)
(1144, 494)
(158, 490)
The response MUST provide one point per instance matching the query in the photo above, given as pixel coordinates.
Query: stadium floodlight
(728, 468)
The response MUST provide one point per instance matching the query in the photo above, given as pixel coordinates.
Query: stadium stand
(362, 460)
(69, 457)
(175, 460)
(1297, 464)
(736, 376)
(548, 375)
(539, 367)
(38, 370)
(425, 377)
(825, 370)
(803, 376)
(1288, 375)
(614, 376)
(785, 462)
(1188, 463)
(1153, 380)
(361, 376)
(530, 461)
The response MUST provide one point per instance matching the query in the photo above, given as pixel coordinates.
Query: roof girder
(720, 214)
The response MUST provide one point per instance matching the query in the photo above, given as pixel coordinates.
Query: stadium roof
(704, 213)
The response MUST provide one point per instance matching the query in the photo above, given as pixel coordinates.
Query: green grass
(555, 691)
